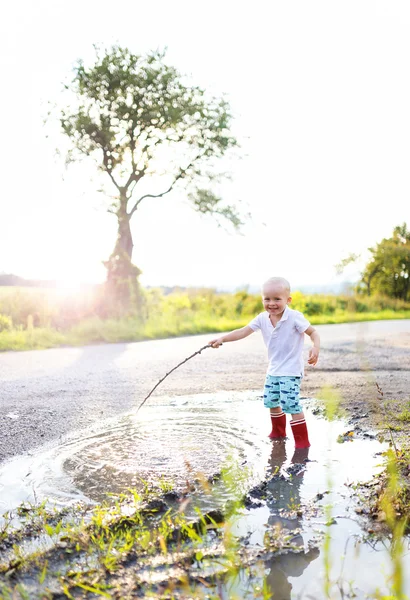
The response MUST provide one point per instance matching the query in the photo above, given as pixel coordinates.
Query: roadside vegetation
(139, 544)
(83, 552)
(35, 318)
(144, 544)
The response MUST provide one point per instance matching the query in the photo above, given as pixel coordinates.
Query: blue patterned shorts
(282, 392)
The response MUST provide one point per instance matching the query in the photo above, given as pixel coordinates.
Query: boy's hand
(313, 356)
(216, 343)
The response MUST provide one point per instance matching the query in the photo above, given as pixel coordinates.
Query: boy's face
(275, 298)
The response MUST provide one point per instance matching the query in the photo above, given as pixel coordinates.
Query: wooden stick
(169, 373)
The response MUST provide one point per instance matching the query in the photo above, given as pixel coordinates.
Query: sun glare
(69, 287)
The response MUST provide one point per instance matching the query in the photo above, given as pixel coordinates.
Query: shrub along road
(49, 393)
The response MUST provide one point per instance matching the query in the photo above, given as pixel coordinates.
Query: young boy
(283, 332)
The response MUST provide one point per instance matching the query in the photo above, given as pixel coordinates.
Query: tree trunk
(124, 243)
(406, 282)
(368, 287)
(123, 296)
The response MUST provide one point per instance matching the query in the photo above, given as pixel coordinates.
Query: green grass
(32, 319)
(97, 549)
(350, 317)
(95, 330)
(404, 416)
(37, 339)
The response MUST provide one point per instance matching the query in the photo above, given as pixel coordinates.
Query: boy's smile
(275, 298)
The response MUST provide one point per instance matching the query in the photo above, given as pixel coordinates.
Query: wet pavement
(45, 395)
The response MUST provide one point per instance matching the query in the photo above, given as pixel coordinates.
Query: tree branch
(113, 180)
(109, 171)
(180, 175)
(134, 178)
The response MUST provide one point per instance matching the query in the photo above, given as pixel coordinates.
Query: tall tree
(146, 126)
(388, 270)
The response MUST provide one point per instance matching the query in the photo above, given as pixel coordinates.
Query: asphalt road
(47, 394)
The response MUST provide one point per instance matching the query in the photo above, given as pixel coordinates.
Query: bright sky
(321, 94)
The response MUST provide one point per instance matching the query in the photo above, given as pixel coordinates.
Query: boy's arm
(314, 351)
(233, 336)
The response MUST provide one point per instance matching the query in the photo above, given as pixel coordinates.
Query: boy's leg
(278, 421)
(299, 430)
(290, 391)
(271, 400)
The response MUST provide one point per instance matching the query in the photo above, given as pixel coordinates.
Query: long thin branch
(133, 176)
(177, 178)
(109, 171)
(138, 202)
(169, 373)
(133, 144)
(113, 180)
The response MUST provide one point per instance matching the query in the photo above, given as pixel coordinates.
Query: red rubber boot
(278, 426)
(300, 433)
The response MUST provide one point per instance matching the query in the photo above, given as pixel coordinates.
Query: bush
(5, 323)
(175, 309)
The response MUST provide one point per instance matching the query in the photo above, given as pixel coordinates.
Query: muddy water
(178, 438)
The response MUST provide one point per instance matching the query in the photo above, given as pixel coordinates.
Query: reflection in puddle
(174, 440)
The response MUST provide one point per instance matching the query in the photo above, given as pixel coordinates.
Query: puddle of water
(171, 441)
(301, 574)
(177, 438)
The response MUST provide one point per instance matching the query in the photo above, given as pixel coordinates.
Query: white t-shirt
(284, 342)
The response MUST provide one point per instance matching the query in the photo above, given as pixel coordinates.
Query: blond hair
(278, 281)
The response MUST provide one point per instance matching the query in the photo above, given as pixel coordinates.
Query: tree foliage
(388, 271)
(149, 131)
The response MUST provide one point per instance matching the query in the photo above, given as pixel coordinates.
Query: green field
(33, 318)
